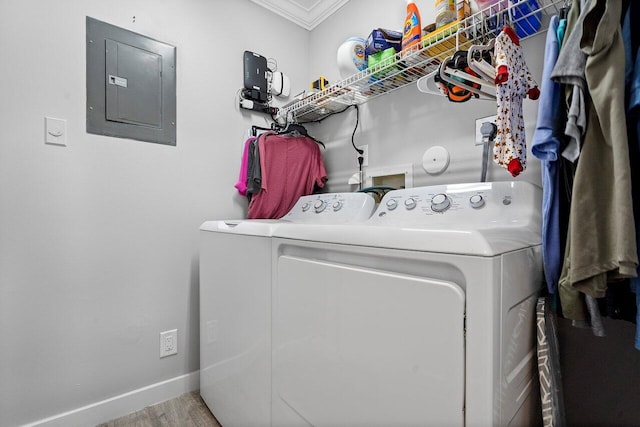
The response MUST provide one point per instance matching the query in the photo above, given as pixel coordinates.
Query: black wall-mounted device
(255, 76)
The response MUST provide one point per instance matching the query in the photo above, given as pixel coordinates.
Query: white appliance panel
(363, 346)
(484, 219)
(235, 304)
(235, 328)
(332, 208)
(519, 359)
(483, 239)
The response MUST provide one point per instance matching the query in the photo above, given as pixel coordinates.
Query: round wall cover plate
(435, 160)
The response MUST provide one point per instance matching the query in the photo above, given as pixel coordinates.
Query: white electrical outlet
(168, 343)
(365, 155)
(479, 122)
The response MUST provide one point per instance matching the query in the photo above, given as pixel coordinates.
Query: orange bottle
(412, 29)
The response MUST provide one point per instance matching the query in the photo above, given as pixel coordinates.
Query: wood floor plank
(188, 410)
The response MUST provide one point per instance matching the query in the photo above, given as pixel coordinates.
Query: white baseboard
(123, 404)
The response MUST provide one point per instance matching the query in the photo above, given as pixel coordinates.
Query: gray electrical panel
(131, 85)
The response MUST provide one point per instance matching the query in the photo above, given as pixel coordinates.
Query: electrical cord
(353, 134)
(360, 152)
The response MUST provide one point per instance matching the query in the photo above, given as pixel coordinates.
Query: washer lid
(475, 219)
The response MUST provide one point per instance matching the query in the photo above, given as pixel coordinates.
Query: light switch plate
(55, 131)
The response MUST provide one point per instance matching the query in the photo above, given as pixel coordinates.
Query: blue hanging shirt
(545, 146)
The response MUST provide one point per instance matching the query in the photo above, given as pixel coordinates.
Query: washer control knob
(306, 206)
(440, 202)
(392, 204)
(410, 203)
(337, 206)
(476, 201)
(319, 206)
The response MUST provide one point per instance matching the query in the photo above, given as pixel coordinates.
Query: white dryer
(421, 316)
(235, 304)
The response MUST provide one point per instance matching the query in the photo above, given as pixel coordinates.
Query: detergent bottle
(412, 28)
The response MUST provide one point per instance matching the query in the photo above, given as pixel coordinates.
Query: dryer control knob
(337, 206)
(306, 206)
(440, 202)
(392, 204)
(319, 206)
(476, 201)
(410, 203)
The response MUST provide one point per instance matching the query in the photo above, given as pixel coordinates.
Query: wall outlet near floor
(479, 122)
(168, 343)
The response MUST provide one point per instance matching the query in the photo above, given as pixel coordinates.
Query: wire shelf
(528, 17)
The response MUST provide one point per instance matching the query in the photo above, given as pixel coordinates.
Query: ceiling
(306, 13)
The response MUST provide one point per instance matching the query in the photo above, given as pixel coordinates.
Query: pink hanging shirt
(292, 166)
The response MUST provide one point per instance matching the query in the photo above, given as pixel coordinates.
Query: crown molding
(306, 13)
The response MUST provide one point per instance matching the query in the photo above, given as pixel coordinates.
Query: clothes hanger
(459, 67)
(564, 10)
(460, 75)
(255, 129)
(476, 60)
(447, 74)
(428, 84)
(291, 128)
(485, 70)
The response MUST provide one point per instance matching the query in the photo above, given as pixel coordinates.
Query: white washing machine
(424, 315)
(235, 305)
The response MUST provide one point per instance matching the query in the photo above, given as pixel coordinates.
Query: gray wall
(99, 239)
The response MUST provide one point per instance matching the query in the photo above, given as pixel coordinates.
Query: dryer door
(359, 346)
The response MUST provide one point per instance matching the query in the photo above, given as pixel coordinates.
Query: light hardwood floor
(188, 410)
